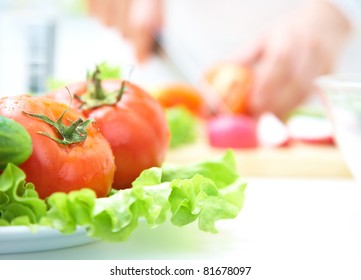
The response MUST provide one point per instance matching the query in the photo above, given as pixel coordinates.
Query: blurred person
(287, 44)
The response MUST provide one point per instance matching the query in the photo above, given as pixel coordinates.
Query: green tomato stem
(73, 133)
(96, 96)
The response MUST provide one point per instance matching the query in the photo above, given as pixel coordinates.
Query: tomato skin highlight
(53, 167)
(135, 128)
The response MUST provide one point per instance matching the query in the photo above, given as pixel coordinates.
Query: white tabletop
(288, 226)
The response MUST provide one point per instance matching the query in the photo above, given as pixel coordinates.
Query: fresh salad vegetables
(130, 119)
(68, 152)
(272, 132)
(15, 142)
(204, 192)
(112, 131)
(182, 126)
(311, 129)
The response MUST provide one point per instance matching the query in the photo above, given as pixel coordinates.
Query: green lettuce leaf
(182, 126)
(108, 71)
(199, 198)
(19, 202)
(53, 84)
(222, 171)
(170, 193)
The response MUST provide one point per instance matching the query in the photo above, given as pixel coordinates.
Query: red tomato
(55, 167)
(135, 126)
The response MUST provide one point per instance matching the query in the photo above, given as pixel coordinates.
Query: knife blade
(212, 99)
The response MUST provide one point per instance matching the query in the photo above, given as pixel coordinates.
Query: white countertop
(287, 226)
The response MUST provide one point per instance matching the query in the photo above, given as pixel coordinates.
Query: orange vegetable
(232, 82)
(180, 94)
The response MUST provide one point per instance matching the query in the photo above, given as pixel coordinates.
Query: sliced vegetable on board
(311, 129)
(272, 132)
(232, 131)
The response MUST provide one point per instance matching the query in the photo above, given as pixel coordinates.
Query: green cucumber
(15, 142)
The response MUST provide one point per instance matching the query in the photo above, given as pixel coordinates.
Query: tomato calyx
(73, 133)
(96, 96)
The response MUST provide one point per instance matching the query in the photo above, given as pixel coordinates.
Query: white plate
(20, 239)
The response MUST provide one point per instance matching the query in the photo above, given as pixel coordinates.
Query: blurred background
(41, 40)
(44, 40)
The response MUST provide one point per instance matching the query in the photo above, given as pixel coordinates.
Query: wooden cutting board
(296, 160)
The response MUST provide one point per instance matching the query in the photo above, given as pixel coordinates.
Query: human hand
(139, 21)
(286, 61)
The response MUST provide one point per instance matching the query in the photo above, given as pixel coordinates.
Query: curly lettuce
(203, 192)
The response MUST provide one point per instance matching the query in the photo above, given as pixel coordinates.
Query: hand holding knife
(224, 87)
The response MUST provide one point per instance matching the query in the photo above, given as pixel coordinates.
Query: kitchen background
(41, 40)
(45, 40)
